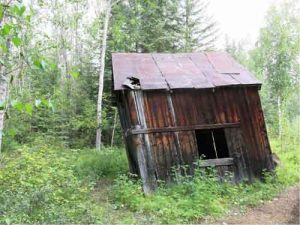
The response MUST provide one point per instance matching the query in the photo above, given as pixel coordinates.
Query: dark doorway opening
(212, 144)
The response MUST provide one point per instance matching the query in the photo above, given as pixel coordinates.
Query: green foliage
(204, 196)
(5, 30)
(75, 72)
(12, 19)
(186, 201)
(238, 52)
(288, 152)
(276, 60)
(199, 31)
(144, 26)
(54, 90)
(43, 184)
(37, 185)
(108, 163)
(161, 26)
(16, 41)
(18, 9)
(70, 119)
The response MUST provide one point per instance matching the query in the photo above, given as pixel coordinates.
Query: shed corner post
(144, 154)
(146, 172)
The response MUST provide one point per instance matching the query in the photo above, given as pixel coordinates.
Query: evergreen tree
(199, 30)
(145, 26)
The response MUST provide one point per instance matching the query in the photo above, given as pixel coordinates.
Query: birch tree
(11, 13)
(3, 84)
(279, 52)
(101, 74)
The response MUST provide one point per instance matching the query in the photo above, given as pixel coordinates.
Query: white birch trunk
(3, 85)
(3, 97)
(101, 75)
(279, 117)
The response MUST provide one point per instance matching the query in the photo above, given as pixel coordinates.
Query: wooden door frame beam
(133, 131)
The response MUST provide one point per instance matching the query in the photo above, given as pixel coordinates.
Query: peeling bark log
(101, 75)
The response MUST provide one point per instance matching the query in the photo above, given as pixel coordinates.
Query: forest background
(52, 54)
(52, 62)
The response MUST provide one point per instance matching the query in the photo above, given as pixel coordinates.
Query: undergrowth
(45, 183)
(38, 185)
(48, 183)
(204, 197)
(93, 165)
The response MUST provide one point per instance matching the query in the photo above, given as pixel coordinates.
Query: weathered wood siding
(248, 144)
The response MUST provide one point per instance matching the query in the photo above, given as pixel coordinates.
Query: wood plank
(236, 150)
(189, 147)
(216, 162)
(246, 134)
(178, 154)
(181, 128)
(144, 154)
(262, 131)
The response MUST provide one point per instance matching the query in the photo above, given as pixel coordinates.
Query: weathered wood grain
(160, 130)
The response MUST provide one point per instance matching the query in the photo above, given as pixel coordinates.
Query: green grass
(93, 165)
(50, 184)
(204, 197)
(288, 152)
(47, 183)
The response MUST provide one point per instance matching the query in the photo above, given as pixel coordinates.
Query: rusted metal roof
(178, 71)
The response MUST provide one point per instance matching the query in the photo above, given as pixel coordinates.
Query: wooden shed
(176, 108)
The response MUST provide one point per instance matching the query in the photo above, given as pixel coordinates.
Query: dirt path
(281, 210)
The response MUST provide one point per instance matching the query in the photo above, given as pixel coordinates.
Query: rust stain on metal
(179, 71)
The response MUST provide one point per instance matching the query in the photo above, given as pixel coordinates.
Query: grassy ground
(50, 184)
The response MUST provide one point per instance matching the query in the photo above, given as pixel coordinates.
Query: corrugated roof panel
(149, 74)
(223, 63)
(152, 84)
(246, 78)
(174, 71)
(219, 80)
(141, 66)
(180, 71)
(123, 67)
(201, 61)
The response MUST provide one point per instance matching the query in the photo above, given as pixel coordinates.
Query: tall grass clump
(288, 172)
(109, 163)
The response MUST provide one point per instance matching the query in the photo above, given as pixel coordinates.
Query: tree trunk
(114, 128)
(279, 117)
(3, 97)
(3, 85)
(101, 75)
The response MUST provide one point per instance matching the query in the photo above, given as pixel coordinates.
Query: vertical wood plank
(262, 131)
(125, 125)
(236, 151)
(178, 149)
(144, 154)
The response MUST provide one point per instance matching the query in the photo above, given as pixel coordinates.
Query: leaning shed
(177, 108)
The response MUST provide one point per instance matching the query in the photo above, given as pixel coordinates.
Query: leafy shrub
(288, 152)
(203, 196)
(42, 184)
(109, 162)
(39, 186)
(186, 201)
